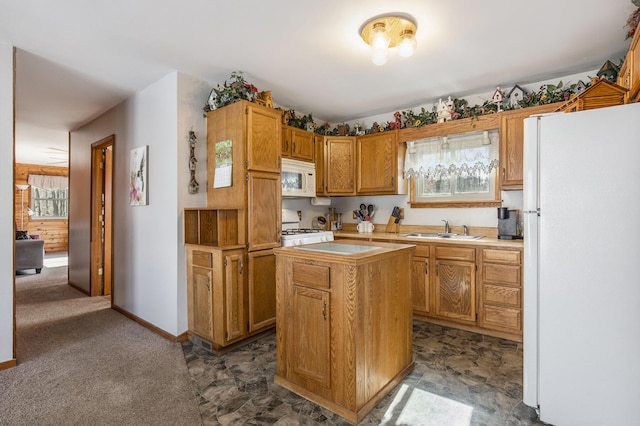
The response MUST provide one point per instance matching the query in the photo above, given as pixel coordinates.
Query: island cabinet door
(454, 290)
(311, 336)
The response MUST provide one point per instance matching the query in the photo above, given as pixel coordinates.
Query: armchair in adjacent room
(29, 251)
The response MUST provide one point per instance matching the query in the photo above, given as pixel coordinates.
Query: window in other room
(49, 196)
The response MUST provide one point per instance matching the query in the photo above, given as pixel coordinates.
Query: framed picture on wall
(139, 176)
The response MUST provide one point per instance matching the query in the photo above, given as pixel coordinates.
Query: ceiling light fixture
(388, 31)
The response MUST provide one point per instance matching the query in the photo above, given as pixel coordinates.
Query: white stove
(293, 235)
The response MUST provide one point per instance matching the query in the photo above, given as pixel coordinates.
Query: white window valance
(49, 182)
(461, 155)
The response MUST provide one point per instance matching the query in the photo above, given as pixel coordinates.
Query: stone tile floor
(460, 378)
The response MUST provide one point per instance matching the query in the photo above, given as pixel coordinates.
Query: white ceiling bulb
(379, 38)
(407, 44)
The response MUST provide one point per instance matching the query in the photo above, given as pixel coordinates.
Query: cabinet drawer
(455, 253)
(502, 295)
(202, 258)
(311, 275)
(502, 274)
(501, 256)
(505, 319)
(421, 251)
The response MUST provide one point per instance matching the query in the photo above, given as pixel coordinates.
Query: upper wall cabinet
(297, 144)
(512, 141)
(379, 165)
(320, 163)
(340, 165)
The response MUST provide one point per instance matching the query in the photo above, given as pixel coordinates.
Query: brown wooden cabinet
(311, 312)
(629, 76)
(512, 144)
(298, 144)
(216, 294)
(261, 292)
(420, 288)
(264, 210)
(239, 228)
(501, 290)
(455, 284)
(254, 188)
(344, 325)
(339, 165)
(378, 166)
(233, 294)
(320, 161)
(473, 288)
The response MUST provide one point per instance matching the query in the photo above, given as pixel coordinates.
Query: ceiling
(76, 58)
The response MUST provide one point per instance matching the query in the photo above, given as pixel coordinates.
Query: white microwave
(298, 178)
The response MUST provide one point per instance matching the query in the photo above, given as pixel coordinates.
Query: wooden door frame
(97, 187)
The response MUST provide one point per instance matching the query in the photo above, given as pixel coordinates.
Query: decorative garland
(457, 109)
(547, 94)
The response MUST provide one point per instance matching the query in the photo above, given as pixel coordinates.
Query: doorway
(102, 217)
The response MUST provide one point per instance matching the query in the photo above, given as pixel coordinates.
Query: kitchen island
(343, 322)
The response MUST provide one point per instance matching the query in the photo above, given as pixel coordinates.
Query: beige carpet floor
(82, 363)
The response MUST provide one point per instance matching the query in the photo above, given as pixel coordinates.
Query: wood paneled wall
(55, 233)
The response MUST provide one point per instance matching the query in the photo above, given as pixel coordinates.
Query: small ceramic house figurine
(497, 98)
(580, 86)
(609, 71)
(516, 94)
(444, 110)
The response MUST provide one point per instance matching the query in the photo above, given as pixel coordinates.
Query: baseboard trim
(176, 339)
(8, 364)
(77, 287)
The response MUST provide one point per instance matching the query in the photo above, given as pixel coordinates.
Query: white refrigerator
(581, 208)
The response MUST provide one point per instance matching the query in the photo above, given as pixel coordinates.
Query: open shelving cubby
(211, 227)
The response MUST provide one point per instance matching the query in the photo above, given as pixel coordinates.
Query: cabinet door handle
(294, 147)
(324, 310)
(286, 145)
(241, 267)
(426, 268)
(504, 173)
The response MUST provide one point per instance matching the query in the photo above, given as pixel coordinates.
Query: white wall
(148, 278)
(483, 217)
(7, 235)
(192, 95)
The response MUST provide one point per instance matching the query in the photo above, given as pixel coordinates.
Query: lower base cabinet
(477, 289)
(501, 290)
(224, 306)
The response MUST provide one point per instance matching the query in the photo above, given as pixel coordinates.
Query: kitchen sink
(445, 236)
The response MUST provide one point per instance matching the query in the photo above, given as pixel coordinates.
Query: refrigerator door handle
(536, 211)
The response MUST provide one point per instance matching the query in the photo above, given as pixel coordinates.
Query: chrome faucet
(446, 226)
(466, 230)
